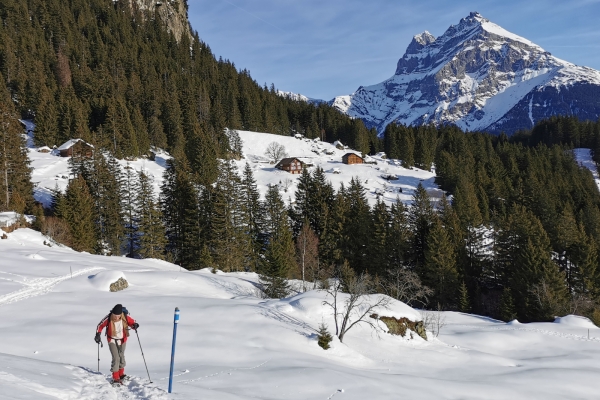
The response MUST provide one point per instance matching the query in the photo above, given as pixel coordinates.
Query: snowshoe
(116, 382)
(125, 378)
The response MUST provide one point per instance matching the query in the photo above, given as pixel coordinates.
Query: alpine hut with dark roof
(291, 165)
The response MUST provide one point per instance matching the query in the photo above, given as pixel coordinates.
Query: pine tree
(15, 173)
(507, 310)
(463, 299)
(279, 256)
(130, 211)
(184, 224)
(378, 242)
(228, 231)
(420, 217)
(399, 237)
(152, 239)
(439, 270)
(251, 218)
(357, 227)
(77, 208)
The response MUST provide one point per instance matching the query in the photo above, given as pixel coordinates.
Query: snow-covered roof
(70, 143)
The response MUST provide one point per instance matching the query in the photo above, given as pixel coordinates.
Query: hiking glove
(97, 338)
(135, 326)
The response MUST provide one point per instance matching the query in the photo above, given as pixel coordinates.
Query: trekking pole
(99, 355)
(138, 336)
(175, 323)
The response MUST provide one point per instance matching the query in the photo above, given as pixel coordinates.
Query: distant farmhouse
(291, 165)
(352, 158)
(76, 147)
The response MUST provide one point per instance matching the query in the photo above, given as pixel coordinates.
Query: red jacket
(107, 323)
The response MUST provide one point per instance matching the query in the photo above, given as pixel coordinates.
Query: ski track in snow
(39, 286)
(570, 336)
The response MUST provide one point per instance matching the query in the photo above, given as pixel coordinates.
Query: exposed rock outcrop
(174, 13)
(399, 326)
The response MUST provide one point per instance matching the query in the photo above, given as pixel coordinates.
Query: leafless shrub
(434, 321)
(358, 304)
(406, 286)
(58, 230)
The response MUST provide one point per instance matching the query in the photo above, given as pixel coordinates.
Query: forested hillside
(519, 236)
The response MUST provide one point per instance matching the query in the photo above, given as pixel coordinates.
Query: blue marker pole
(175, 323)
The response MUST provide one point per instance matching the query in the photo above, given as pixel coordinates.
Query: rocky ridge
(174, 13)
(479, 77)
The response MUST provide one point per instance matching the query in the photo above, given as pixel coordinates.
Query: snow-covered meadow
(234, 345)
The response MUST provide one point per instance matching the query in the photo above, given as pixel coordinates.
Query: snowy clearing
(329, 158)
(234, 345)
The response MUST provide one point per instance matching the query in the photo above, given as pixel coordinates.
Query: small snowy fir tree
(324, 337)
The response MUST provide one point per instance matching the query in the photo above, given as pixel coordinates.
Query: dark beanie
(118, 309)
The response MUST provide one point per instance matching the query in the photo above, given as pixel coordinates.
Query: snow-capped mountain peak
(478, 76)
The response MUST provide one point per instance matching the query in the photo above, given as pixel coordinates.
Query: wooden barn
(352, 158)
(76, 147)
(291, 165)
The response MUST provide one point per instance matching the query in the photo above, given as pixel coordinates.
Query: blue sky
(326, 48)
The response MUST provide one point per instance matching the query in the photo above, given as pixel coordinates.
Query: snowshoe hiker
(117, 324)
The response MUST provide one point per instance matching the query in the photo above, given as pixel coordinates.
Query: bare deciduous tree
(286, 184)
(58, 230)
(405, 285)
(275, 152)
(359, 300)
(307, 254)
(548, 300)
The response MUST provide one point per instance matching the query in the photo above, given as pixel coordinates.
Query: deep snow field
(233, 345)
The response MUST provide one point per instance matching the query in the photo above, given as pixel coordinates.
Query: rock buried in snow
(120, 284)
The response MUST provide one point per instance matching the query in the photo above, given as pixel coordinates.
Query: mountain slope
(480, 77)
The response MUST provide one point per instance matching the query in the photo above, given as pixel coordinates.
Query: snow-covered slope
(50, 171)
(478, 76)
(329, 158)
(232, 345)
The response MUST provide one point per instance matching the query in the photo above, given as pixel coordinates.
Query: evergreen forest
(517, 236)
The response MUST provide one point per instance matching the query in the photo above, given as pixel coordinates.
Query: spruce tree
(15, 173)
(279, 255)
(463, 298)
(152, 238)
(439, 270)
(507, 311)
(230, 247)
(252, 218)
(420, 217)
(77, 208)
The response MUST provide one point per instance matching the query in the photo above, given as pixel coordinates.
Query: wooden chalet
(352, 158)
(76, 147)
(291, 165)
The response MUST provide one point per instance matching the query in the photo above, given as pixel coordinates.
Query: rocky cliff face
(480, 77)
(174, 13)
